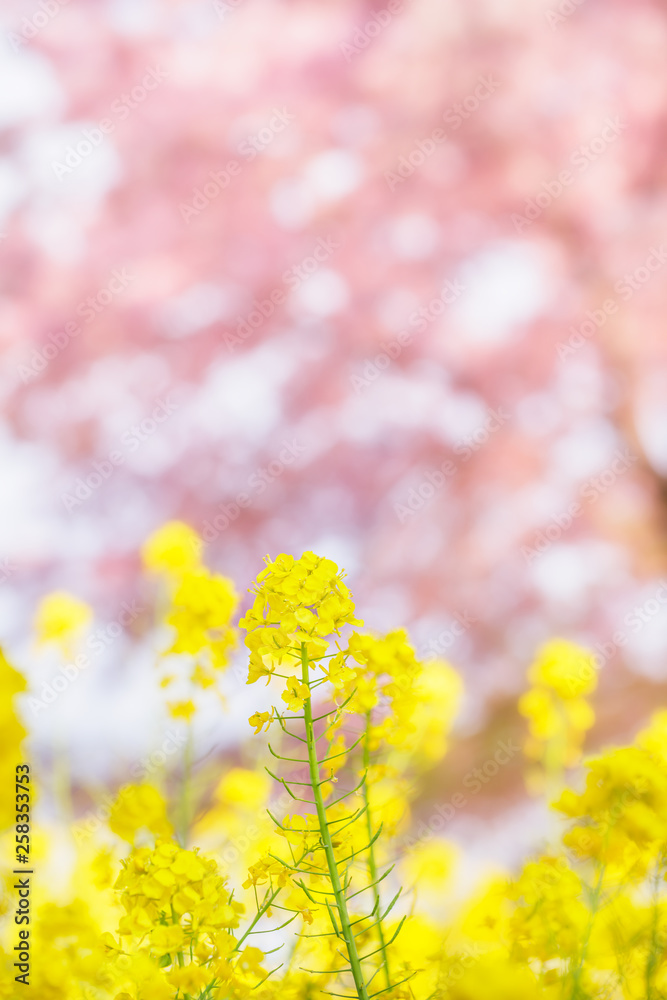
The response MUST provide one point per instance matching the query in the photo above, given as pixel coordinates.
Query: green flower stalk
(325, 833)
(299, 606)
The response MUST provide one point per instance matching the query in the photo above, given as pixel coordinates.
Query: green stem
(263, 908)
(578, 972)
(652, 958)
(258, 916)
(372, 866)
(554, 756)
(325, 834)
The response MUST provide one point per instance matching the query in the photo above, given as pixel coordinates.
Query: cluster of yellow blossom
(200, 606)
(389, 668)
(299, 605)
(137, 810)
(439, 690)
(175, 548)
(418, 701)
(61, 619)
(587, 923)
(551, 917)
(12, 733)
(622, 813)
(556, 707)
(69, 956)
(203, 605)
(179, 917)
(297, 602)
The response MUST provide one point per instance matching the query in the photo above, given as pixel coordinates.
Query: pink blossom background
(343, 99)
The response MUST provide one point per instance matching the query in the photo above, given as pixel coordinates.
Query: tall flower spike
(296, 601)
(299, 606)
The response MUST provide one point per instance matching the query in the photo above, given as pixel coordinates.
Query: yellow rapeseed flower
(556, 708)
(136, 808)
(61, 618)
(565, 668)
(202, 607)
(174, 548)
(181, 709)
(297, 601)
(12, 734)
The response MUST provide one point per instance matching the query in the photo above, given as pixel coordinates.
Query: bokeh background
(247, 353)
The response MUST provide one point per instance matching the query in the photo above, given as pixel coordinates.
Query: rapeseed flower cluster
(297, 601)
(558, 713)
(62, 619)
(198, 610)
(285, 874)
(179, 917)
